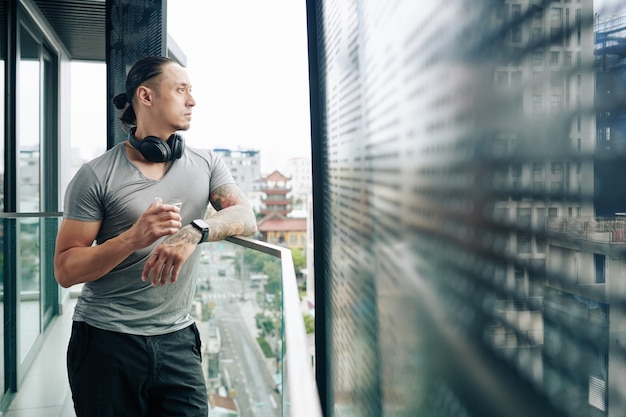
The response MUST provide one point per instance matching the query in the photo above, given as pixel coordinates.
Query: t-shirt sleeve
(82, 198)
(220, 174)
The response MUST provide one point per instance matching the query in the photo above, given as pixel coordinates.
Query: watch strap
(203, 227)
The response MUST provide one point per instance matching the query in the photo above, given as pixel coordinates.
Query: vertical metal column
(319, 183)
(134, 29)
(10, 191)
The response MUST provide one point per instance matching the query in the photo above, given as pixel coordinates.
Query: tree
(299, 260)
(271, 268)
(309, 323)
(254, 260)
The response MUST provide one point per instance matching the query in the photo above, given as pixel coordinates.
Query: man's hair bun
(120, 100)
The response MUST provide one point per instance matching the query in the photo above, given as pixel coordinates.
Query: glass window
(502, 78)
(36, 142)
(29, 182)
(524, 216)
(554, 57)
(567, 58)
(541, 245)
(501, 11)
(523, 243)
(555, 102)
(553, 212)
(516, 10)
(516, 34)
(556, 186)
(600, 268)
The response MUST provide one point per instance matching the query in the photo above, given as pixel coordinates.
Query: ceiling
(80, 24)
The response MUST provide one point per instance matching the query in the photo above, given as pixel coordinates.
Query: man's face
(173, 100)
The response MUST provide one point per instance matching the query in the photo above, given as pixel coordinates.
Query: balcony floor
(45, 391)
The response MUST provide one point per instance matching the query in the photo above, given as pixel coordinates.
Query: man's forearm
(231, 221)
(83, 264)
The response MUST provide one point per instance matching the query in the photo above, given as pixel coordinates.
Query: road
(245, 373)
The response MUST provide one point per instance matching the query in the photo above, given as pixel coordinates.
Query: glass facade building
(468, 165)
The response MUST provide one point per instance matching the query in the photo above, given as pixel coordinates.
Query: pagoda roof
(276, 176)
(279, 223)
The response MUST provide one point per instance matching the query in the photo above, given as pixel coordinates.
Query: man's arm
(234, 217)
(77, 260)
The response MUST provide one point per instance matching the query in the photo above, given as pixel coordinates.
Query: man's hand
(77, 260)
(168, 258)
(157, 221)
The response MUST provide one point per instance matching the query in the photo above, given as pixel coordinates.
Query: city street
(244, 372)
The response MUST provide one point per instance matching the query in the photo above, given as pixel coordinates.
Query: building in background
(586, 257)
(547, 81)
(284, 231)
(610, 73)
(299, 171)
(245, 165)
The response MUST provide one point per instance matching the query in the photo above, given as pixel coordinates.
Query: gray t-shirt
(113, 190)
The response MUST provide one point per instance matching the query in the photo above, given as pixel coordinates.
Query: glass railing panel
(29, 278)
(27, 283)
(238, 308)
(244, 289)
(295, 379)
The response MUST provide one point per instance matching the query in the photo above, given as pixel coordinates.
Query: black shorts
(115, 374)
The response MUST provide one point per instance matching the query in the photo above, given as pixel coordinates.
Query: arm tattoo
(234, 216)
(187, 234)
(221, 195)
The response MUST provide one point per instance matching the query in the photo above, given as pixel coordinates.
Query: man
(135, 349)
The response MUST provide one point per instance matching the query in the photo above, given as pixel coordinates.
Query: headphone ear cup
(155, 150)
(176, 144)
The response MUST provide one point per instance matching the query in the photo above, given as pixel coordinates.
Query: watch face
(200, 224)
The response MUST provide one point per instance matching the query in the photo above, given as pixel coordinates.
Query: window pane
(483, 205)
(29, 186)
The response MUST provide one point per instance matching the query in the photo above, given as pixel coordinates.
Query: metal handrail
(302, 391)
(15, 215)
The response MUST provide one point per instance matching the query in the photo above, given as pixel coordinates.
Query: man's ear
(144, 95)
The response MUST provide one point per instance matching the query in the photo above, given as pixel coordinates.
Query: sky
(247, 61)
(248, 66)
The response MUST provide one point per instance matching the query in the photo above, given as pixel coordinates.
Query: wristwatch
(203, 227)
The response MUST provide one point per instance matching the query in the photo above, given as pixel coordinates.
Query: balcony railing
(288, 362)
(596, 229)
(286, 375)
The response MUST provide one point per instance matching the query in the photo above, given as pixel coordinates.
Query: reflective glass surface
(472, 203)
